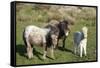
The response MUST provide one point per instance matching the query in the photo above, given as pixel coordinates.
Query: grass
(27, 15)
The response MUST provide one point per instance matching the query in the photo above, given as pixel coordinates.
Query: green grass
(26, 15)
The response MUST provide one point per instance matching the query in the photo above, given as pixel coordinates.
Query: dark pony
(63, 27)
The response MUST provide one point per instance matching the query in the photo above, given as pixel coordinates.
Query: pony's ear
(70, 20)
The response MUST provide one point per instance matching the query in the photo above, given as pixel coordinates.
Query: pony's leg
(29, 50)
(57, 44)
(64, 39)
(45, 50)
(52, 52)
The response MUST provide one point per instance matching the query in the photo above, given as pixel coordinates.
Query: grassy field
(35, 15)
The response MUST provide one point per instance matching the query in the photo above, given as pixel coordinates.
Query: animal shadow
(65, 49)
(21, 50)
(38, 54)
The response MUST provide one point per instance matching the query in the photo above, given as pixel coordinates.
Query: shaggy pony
(34, 35)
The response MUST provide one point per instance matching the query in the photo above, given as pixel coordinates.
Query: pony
(64, 29)
(45, 37)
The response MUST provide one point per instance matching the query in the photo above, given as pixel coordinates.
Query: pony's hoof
(80, 56)
(53, 57)
(26, 54)
(44, 57)
(30, 57)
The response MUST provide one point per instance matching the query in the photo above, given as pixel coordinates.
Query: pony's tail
(24, 39)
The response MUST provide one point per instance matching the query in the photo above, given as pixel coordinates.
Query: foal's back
(78, 36)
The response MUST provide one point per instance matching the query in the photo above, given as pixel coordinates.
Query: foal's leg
(45, 50)
(81, 50)
(29, 50)
(75, 48)
(84, 47)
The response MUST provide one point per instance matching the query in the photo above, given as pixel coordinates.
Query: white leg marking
(75, 49)
(81, 49)
(52, 52)
(44, 55)
(29, 50)
(84, 47)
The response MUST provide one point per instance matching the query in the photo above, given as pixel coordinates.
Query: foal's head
(85, 31)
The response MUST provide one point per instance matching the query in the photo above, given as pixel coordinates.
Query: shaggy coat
(63, 27)
(39, 36)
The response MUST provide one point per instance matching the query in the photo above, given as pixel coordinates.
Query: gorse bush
(43, 13)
